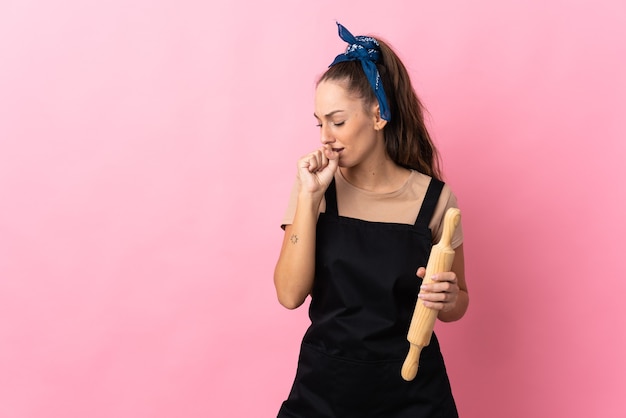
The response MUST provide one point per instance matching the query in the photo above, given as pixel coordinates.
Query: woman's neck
(381, 177)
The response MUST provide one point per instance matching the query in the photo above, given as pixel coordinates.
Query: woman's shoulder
(418, 185)
(447, 199)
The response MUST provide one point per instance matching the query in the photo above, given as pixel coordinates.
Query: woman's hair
(406, 138)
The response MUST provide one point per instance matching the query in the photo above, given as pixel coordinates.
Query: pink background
(147, 150)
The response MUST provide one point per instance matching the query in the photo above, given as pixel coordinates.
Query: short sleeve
(291, 206)
(446, 200)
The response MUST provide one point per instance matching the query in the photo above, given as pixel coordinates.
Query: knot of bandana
(366, 50)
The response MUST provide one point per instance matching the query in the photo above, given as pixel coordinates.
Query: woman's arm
(295, 269)
(449, 293)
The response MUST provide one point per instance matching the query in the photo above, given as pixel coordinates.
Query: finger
(332, 158)
(433, 294)
(444, 277)
(323, 159)
(421, 272)
(330, 153)
(313, 162)
(304, 162)
(333, 163)
(433, 301)
(439, 306)
(438, 301)
(440, 287)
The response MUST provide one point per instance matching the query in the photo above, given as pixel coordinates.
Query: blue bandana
(366, 50)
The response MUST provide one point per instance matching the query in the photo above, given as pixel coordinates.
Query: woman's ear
(379, 123)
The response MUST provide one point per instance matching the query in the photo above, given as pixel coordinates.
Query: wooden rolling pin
(423, 321)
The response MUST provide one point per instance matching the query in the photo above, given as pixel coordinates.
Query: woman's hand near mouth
(316, 170)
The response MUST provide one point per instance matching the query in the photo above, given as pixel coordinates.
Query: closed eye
(319, 125)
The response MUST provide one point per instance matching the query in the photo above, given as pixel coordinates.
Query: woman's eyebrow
(329, 114)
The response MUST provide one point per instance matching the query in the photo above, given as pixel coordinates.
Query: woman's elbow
(289, 297)
(292, 285)
(290, 302)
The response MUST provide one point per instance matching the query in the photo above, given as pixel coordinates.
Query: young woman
(368, 205)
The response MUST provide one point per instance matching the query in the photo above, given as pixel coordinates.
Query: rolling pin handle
(411, 363)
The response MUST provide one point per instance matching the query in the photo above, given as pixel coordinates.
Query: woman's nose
(326, 136)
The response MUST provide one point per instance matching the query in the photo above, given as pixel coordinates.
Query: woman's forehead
(331, 96)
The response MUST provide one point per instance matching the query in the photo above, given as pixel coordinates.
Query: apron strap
(426, 211)
(430, 202)
(331, 199)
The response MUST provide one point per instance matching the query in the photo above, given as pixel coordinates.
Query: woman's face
(346, 125)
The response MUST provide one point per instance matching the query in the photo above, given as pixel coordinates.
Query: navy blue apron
(362, 301)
